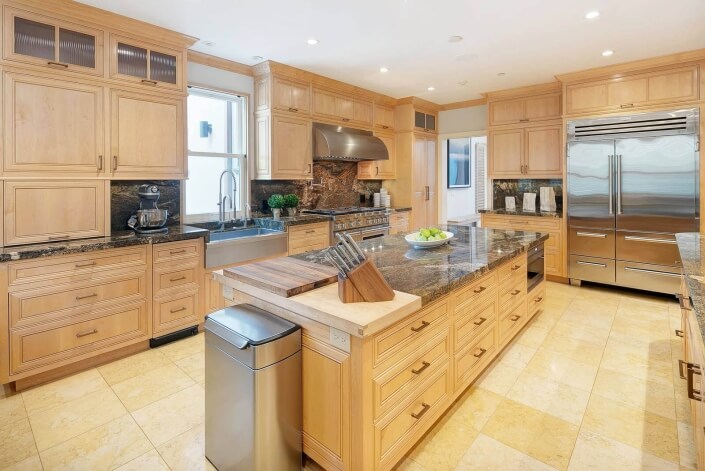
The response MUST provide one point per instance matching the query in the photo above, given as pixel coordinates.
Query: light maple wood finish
(384, 117)
(542, 155)
(521, 151)
(341, 109)
(218, 63)
(506, 152)
(9, 53)
(42, 211)
(53, 126)
(399, 222)
(291, 95)
(694, 358)
(525, 110)
(147, 135)
(634, 90)
(283, 147)
(308, 237)
(464, 104)
(405, 116)
(148, 81)
(380, 169)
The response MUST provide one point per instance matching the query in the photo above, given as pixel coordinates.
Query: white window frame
(242, 189)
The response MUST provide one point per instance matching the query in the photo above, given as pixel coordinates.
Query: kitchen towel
(548, 198)
(530, 202)
(510, 203)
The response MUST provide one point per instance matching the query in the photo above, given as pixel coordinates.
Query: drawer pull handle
(515, 292)
(681, 363)
(294, 109)
(591, 234)
(423, 325)
(479, 290)
(516, 267)
(179, 309)
(178, 278)
(59, 237)
(175, 252)
(80, 298)
(538, 300)
(514, 318)
(425, 408)
(84, 265)
(149, 82)
(679, 333)
(653, 272)
(346, 120)
(480, 321)
(481, 352)
(627, 105)
(693, 393)
(592, 264)
(425, 365)
(58, 64)
(684, 302)
(85, 334)
(385, 127)
(650, 239)
(310, 231)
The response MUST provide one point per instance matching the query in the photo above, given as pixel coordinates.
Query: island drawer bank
(72, 303)
(378, 375)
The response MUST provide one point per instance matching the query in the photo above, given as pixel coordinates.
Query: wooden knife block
(364, 284)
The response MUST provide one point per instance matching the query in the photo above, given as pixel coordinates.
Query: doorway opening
(464, 183)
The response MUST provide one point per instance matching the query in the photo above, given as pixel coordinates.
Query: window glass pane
(207, 124)
(238, 127)
(202, 186)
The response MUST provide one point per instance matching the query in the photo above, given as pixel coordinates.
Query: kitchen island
(376, 376)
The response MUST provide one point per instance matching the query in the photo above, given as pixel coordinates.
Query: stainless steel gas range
(360, 222)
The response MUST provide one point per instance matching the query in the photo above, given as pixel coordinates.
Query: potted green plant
(276, 203)
(291, 201)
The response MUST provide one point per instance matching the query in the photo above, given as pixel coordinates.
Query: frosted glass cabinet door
(142, 63)
(52, 43)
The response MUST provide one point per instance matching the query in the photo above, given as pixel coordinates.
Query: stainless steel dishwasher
(253, 391)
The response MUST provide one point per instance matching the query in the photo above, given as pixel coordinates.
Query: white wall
(462, 120)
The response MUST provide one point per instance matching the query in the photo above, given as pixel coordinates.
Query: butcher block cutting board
(284, 276)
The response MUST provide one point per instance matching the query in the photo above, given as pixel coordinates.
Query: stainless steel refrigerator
(632, 184)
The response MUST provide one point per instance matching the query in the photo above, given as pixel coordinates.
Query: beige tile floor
(591, 384)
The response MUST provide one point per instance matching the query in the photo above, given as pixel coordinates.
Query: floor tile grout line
(34, 439)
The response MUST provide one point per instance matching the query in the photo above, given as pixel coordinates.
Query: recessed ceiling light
(312, 42)
(501, 74)
(431, 88)
(455, 39)
(257, 58)
(607, 53)
(591, 15)
(208, 43)
(463, 82)
(383, 70)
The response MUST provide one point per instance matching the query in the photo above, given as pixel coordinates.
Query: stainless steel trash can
(253, 391)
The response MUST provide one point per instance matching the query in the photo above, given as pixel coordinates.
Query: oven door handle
(378, 229)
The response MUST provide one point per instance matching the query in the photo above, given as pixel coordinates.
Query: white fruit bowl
(427, 244)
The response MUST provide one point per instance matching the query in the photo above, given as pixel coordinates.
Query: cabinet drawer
(313, 240)
(399, 383)
(511, 323)
(77, 268)
(172, 313)
(468, 327)
(395, 436)
(410, 334)
(307, 248)
(173, 278)
(512, 291)
(475, 357)
(307, 231)
(469, 298)
(41, 345)
(591, 242)
(514, 266)
(599, 270)
(536, 299)
(172, 251)
(67, 300)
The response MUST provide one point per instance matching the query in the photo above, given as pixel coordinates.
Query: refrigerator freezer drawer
(591, 242)
(656, 249)
(599, 270)
(648, 277)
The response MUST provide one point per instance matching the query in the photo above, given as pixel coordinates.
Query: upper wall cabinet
(425, 121)
(52, 125)
(146, 135)
(283, 147)
(282, 94)
(41, 40)
(633, 91)
(525, 110)
(409, 117)
(346, 110)
(384, 117)
(145, 64)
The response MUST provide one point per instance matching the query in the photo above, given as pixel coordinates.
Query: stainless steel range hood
(346, 144)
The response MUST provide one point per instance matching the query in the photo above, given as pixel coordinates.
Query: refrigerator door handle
(610, 179)
(619, 183)
(650, 239)
(652, 272)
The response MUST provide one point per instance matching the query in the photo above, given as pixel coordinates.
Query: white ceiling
(529, 40)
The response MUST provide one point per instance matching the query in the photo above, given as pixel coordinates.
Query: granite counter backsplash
(433, 273)
(124, 201)
(517, 188)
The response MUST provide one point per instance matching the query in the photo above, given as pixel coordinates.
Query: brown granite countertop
(520, 212)
(432, 273)
(117, 239)
(691, 246)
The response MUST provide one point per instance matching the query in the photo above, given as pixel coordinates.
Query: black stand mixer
(149, 219)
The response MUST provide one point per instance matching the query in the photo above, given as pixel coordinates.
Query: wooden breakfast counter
(377, 376)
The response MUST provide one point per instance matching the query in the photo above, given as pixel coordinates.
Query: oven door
(535, 267)
(369, 233)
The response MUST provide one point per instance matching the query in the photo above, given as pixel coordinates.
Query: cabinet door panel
(586, 97)
(506, 112)
(52, 126)
(146, 64)
(147, 135)
(506, 152)
(431, 182)
(362, 112)
(291, 147)
(324, 104)
(542, 107)
(291, 96)
(344, 108)
(627, 92)
(418, 197)
(543, 151)
(387, 169)
(384, 117)
(677, 85)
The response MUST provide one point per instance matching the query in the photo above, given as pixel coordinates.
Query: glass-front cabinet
(45, 41)
(145, 64)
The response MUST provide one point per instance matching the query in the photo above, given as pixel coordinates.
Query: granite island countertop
(116, 240)
(691, 246)
(521, 212)
(432, 273)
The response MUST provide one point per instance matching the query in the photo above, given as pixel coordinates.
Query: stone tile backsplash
(517, 188)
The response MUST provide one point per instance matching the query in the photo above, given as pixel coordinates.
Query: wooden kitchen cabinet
(283, 147)
(383, 117)
(44, 210)
(37, 39)
(424, 203)
(146, 64)
(542, 155)
(525, 110)
(380, 169)
(53, 126)
(506, 152)
(291, 95)
(399, 222)
(308, 237)
(692, 373)
(147, 136)
(341, 109)
(519, 152)
(633, 91)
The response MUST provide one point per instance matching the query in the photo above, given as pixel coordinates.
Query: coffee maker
(149, 219)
